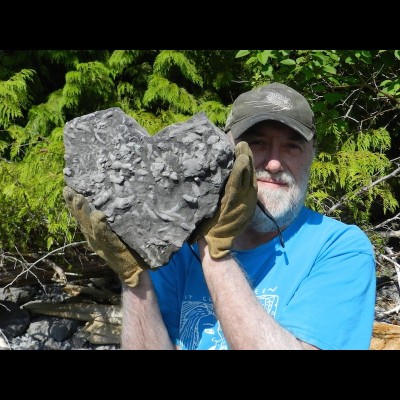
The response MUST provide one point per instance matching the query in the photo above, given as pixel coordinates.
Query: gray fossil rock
(154, 190)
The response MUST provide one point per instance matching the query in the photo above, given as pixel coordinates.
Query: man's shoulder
(337, 230)
(316, 217)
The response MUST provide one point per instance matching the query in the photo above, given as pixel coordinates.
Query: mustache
(280, 177)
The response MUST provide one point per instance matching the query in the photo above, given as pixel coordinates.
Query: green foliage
(167, 93)
(42, 118)
(92, 82)
(167, 59)
(355, 95)
(215, 111)
(153, 124)
(122, 60)
(157, 88)
(14, 97)
(130, 70)
(31, 194)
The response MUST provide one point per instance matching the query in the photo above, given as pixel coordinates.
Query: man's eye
(256, 143)
(293, 146)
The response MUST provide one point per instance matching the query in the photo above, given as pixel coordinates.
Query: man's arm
(142, 325)
(245, 323)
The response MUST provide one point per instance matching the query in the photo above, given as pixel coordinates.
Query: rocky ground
(58, 316)
(84, 315)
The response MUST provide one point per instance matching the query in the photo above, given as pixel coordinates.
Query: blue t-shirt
(320, 286)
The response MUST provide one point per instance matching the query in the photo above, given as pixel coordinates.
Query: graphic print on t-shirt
(199, 324)
(268, 301)
(194, 319)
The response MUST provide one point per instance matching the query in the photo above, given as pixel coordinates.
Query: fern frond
(92, 77)
(374, 140)
(161, 89)
(357, 168)
(14, 96)
(215, 111)
(166, 59)
(19, 138)
(323, 172)
(121, 60)
(72, 88)
(3, 146)
(125, 89)
(45, 116)
(155, 123)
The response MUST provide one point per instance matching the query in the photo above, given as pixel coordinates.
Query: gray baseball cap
(276, 102)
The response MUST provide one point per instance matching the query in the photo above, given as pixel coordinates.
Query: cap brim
(242, 126)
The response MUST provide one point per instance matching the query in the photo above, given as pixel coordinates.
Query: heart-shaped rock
(154, 190)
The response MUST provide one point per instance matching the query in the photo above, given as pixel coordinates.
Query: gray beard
(283, 205)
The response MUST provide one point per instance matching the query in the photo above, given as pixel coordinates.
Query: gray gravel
(20, 330)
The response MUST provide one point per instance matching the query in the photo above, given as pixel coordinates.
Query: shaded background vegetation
(355, 95)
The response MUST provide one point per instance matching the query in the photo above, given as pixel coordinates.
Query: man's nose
(273, 165)
(272, 161)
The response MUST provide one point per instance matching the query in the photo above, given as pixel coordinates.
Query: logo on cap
(278, 101)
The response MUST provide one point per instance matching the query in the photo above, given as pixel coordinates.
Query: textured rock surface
(385, 337)
(154, 190)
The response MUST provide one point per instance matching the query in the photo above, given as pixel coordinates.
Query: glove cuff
(133, 280)
(216, 251)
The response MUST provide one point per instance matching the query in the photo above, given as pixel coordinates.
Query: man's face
(282, 160)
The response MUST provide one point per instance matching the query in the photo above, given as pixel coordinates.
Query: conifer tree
(355, 96)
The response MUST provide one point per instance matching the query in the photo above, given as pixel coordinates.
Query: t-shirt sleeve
(334, 306)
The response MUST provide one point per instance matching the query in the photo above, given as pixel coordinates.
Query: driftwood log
(385, 337)
(103, 321)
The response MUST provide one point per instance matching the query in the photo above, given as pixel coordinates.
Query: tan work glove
(237, 206)
(93, 224)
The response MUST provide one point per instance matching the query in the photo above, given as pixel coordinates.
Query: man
(266, 272)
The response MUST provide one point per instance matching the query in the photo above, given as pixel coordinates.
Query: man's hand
(237, 205)
(93, 224)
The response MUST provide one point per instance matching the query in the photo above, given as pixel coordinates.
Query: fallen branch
(33, 268)
(392, 311)
(396, 267)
